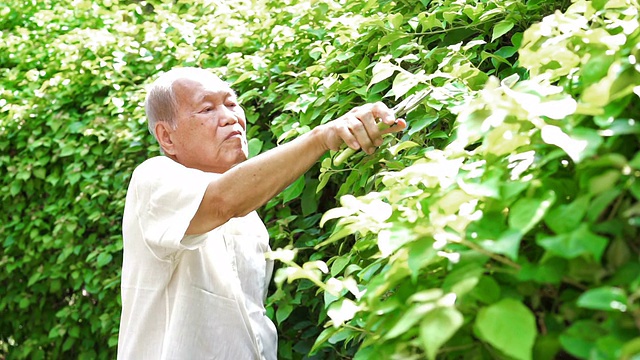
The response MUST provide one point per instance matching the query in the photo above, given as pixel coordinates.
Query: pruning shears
(401, 109)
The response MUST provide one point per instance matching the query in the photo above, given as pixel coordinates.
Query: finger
(400, 125)
(345, 132)
(361, 134)
(372, 128)
(382, 112)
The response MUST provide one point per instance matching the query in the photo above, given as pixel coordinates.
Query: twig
(494, 256)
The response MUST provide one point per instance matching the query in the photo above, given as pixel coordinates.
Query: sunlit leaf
(437, 327)
(341, 311)
(604, 298)
(501, 28)
(525, 213)
(581, 144)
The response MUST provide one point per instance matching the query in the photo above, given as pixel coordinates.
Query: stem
(348, 152)
(494, 256)
(457, 348)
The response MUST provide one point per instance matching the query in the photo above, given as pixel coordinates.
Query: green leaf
(604, 298)
(34, 278)
(488, 290)
(103, 259)
(308, 199)
(509, 326)
(322, 339)
(422, 122)
(409, 318)
(339, 263)
(603, 182)
(527, 212)
(580, 339)
(403, 145)
(599, 4)
(74, 331)
(283, 312)
(463, 279)
(437, 327)
(551, 271)
(67, 150)
(501, 28)
(507, 244)
(391, 240)
(631, 348)
(395, 20)
(566, 218)
(255, 145)
(294, 190)
(578, 242)
(421, 253)
(601, 202)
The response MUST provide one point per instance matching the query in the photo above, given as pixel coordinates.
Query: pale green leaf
(395, 20)
(403, 82)
(437, 327)
(507, 244)
(527, 212)
(342, 311)
(580, 144)
(381, 71)
(255, 145)
(501, 28)
(410, 317)
(335, 213)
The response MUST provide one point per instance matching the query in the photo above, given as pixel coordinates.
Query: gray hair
(161, 103)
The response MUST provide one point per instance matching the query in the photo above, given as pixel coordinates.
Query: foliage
(517, 237)
(509, 206)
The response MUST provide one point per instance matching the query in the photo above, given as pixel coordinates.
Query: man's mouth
(234, 133)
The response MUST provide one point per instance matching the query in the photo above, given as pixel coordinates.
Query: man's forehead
(205, 86)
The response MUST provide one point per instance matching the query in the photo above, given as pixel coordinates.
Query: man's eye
(207, 109)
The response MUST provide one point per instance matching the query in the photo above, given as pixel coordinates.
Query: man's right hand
(359, 128)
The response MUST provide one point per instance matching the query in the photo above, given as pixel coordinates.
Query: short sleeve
(167, 196)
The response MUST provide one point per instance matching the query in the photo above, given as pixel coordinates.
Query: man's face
(210, 132)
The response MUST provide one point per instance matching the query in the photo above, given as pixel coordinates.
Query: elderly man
(194, 274)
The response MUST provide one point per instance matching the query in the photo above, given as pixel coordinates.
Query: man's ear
(163, 133)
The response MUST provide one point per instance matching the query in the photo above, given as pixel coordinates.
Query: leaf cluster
(509, 206)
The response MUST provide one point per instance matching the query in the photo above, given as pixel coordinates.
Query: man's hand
(360, 129)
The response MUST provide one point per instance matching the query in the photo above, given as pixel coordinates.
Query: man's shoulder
(157, 162)
(155, 166)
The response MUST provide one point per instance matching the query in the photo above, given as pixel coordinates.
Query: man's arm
(252, 183)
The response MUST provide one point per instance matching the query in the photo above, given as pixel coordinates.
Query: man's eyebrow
(227, 94)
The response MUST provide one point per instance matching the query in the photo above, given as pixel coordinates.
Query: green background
(503, 223)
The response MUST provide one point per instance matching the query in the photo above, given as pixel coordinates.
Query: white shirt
(190, 297)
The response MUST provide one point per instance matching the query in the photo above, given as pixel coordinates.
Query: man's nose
(228, 117)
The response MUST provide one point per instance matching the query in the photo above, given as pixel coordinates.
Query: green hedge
(509, 206)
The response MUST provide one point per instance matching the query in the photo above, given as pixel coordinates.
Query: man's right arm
(252, 183)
